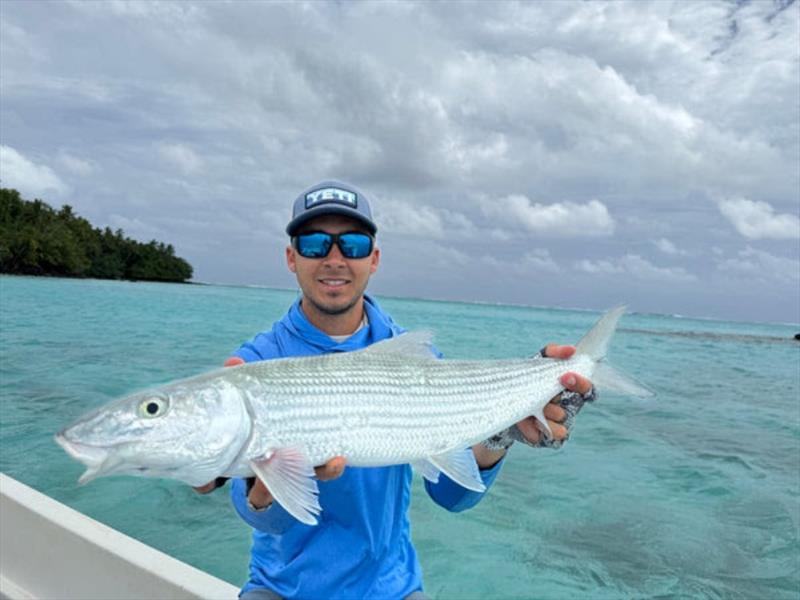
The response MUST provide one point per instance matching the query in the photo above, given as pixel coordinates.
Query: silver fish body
(391, 403)
(377, 408)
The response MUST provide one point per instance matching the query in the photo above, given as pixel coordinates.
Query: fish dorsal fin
(460, 466)
(414, 343)
(289, 478)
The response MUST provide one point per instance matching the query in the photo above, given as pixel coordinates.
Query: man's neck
(342, 324)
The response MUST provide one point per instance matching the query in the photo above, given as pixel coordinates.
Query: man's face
(334, 284)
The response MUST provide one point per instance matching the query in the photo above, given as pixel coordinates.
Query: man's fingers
(331, 469)
(553, 412)
(534, 432)
(211, 485)
(556, 351)
(558, 431)
(205, 489)
(576, 383)
(233, 361)
(259, 496)
(527, 427)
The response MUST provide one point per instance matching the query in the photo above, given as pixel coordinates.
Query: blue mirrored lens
(355, 245)
(318, 244)
(314, 245)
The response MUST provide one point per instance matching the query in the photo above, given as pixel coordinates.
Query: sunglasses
(318, 244)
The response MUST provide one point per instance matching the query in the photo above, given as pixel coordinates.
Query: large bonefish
(390, 403)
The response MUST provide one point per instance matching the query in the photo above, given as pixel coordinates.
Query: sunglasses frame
(334, 237)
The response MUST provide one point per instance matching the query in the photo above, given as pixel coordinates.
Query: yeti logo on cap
(332, 195)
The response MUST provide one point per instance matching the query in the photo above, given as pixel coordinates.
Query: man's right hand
(259, 495)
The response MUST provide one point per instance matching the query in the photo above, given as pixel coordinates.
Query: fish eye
(154, 406)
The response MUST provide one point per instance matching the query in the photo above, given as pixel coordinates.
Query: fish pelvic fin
(460, 466)
(595, 342)
(289, 477)
(427, 470)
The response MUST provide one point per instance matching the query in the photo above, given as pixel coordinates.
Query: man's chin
(335, 307)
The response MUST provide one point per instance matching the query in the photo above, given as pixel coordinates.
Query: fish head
(182, 431)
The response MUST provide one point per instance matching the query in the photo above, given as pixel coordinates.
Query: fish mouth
(95, 458)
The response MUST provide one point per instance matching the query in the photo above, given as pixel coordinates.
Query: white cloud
(560, 218)
(427, 259)
(403, 218)
(757, 220)
(599, 267)
(500, 235)
(31, 179)
(144, 9)
(182, 156)
(76, 165)
(20, 43)
(420, 220)
(755, 264)
(532, 262)
(635, 266)
(136, 228)
(538, 260)
(667, 247)
(468, 156)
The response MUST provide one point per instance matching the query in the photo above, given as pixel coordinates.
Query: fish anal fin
(289, 477)
(460, 466)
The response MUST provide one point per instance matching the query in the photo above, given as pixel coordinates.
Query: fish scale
(391, 403)
(381, 397)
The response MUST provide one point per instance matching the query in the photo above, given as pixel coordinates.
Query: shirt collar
(379, 327)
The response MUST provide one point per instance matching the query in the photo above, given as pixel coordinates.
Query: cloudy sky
(553, 153)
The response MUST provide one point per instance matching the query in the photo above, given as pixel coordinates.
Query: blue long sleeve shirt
(361, 547)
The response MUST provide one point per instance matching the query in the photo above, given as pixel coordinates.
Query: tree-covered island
(36, 239)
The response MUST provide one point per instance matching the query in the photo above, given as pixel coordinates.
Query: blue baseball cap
(331, 198)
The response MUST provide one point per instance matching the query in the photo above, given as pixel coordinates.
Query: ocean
(695, 493)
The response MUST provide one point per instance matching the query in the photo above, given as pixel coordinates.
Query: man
(361, 547)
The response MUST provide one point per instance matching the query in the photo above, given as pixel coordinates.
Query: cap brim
(330, 209)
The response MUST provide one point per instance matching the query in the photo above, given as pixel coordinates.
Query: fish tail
(595, 342)
(607, 377)
(595, 345)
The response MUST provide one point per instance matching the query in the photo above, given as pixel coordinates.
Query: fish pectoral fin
(427, 469)
(460, 466)
(289, 477)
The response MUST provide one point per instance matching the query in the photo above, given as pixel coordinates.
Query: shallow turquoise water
(696, 493)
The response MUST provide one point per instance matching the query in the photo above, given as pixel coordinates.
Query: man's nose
(335, 255)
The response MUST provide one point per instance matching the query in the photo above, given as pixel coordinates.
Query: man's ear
(376, 260)
(291, 259)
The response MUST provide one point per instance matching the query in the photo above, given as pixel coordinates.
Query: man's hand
(530, 428)
(259, 496)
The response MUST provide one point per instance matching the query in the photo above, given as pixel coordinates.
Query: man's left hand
(530, 428)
